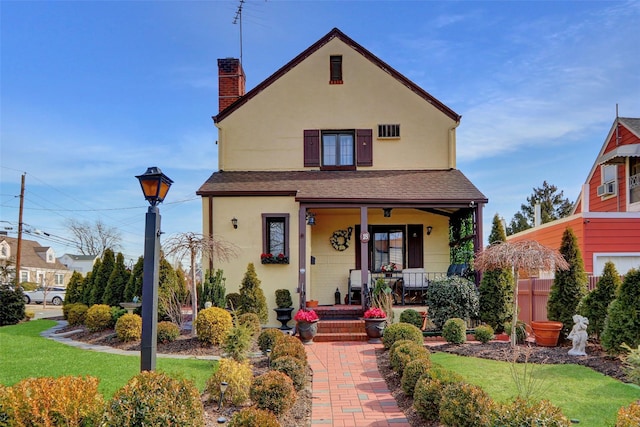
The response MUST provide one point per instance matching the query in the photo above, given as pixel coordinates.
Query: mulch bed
(300, 414)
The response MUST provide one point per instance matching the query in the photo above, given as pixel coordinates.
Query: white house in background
(80, 263)
(38, 264)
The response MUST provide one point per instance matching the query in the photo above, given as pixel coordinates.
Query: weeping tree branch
(192, 246)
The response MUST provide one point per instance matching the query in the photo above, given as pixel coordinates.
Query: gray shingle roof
(30, 257)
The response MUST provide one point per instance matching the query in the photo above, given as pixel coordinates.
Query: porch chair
(413, 280)
(355, 284)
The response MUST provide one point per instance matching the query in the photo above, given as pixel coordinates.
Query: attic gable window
(335, 69)
(388, 131)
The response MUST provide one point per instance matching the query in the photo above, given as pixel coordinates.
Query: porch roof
(410, 187)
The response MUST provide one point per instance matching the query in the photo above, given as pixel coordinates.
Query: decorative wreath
(340, 240)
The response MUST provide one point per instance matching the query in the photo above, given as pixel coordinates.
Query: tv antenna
(238, 19)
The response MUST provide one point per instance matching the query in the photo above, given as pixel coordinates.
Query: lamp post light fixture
(155, 186)
(223, 388)
(269, 357)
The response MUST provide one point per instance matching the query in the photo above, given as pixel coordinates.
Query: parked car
(55, 296)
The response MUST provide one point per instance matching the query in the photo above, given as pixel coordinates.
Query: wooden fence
(533, 295)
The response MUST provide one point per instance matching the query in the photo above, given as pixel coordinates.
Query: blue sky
(92, 93)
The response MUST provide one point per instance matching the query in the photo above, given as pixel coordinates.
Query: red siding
(595, 235)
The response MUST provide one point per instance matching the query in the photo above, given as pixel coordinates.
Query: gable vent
(389, 131)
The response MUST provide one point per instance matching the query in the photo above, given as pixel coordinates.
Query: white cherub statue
(579, 335)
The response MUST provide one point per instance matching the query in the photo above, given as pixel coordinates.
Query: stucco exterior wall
(267, 133)
(248, 240)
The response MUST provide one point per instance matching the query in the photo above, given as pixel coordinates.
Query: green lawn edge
(26, 354)
(581, 393)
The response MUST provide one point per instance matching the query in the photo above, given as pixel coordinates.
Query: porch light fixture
(311, 218)
(429, 230)
(155, 186)
(387, 212)
(234, 221)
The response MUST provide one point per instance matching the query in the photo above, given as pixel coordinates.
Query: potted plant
(375, 320)
(284, 307)
(307, 325)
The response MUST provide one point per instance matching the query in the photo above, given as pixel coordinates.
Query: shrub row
(444, 397)
(149, 398)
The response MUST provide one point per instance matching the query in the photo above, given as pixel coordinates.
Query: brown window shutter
(311, 148)
(364, 147)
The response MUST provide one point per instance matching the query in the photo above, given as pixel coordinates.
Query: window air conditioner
(606, 189)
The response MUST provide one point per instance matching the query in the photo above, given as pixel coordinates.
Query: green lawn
(582, 393)
(24, 354)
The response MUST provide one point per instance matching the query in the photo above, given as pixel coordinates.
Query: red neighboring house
(606, 216)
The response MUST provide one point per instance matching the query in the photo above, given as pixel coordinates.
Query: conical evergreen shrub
(594, 306)
(252, 299)
(496, 287)
(623, 316)
(569, 286)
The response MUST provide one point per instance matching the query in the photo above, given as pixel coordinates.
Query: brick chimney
(231, 82)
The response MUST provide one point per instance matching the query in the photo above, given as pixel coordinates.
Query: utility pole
(19, 249)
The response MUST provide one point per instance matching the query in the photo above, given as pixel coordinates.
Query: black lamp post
(155, 186)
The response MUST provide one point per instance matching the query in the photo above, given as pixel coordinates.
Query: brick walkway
(348, 390)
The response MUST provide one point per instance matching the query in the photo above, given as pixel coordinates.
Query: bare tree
(94, 239)
(195, 246)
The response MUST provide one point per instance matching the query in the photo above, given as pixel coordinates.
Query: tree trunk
(194, 294)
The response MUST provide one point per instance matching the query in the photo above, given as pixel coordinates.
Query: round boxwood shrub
(268, 338)
(412, 373)
(412, 317)
(252, 322)
(273, 391)
(452, 297)
(401, 331)
(129, 327)
(397, 344)
(466, 405)
(294, 368)
(11, 306)
(213, 325)
(454, 331)
(290, 348)
(238, 376)
(253, 417)
(522, 412)
(428, 391)
(629, 416)
(46, 401)
(98, 318)
(153, 399)
(167, 332)
(406, 353)
(484, 333)
(76, 313)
